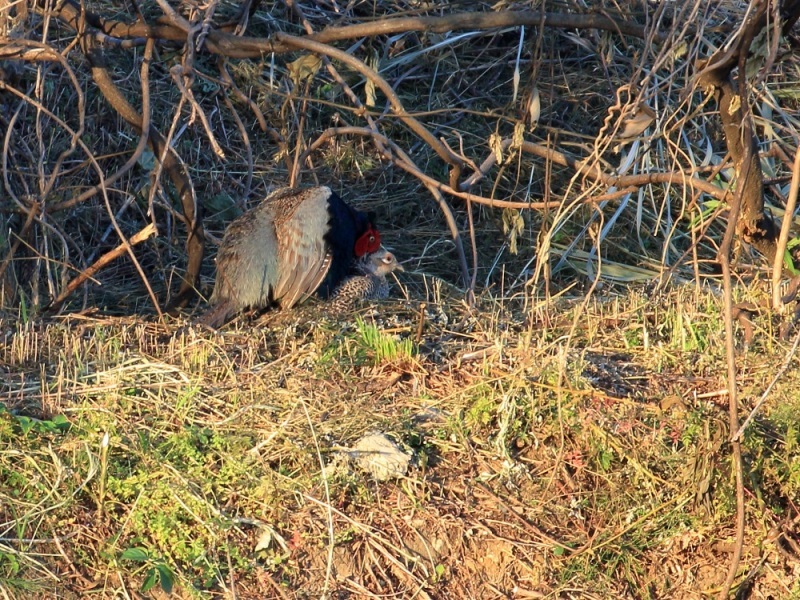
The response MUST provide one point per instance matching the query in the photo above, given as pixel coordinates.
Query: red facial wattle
(368, 243)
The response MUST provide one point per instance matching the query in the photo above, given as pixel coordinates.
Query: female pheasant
(293, 244)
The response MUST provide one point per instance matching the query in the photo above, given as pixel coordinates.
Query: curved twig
(111, 179)
(4, 162)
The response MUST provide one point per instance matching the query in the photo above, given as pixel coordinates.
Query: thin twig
(178, 73)
(246, 141)
(783, 239)
(593, 172)
(744, 167)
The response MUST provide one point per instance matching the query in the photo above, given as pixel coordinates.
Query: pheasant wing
(302, 275)
(305, 258)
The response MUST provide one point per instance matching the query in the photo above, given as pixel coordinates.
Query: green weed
(379, 347)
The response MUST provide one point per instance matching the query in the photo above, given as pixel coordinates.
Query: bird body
(371, 284)
(293, 244)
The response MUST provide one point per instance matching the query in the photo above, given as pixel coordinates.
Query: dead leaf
(304, 68)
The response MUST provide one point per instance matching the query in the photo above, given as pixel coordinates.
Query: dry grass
(548, 460)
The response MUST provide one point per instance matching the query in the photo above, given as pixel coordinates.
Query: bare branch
(148, 231)
(485, 20)
(171, 163)
(233, 46)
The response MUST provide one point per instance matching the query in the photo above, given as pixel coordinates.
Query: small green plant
(381, 346)
(155, 570)
(9, 565)
(708, 210)
(483, 409)
(438, 573)
(604, 457)
(57, 424)
(787, 256)
(686, 330)
(23, 310)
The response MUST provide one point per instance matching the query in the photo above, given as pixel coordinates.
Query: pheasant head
(369, 242)
(379, 263)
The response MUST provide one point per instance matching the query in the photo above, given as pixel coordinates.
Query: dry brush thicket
(587, 171)
(563, 133)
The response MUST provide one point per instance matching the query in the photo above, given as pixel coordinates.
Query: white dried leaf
(268, 536)
(636, 122)
(369, 90)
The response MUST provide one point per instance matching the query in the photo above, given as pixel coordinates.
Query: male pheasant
(291, 245)
(371, 284)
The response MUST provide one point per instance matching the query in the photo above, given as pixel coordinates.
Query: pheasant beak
(400, 268)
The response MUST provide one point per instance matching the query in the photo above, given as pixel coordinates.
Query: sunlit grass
(211, 469)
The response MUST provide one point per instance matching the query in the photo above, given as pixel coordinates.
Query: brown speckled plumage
(370, 285)
(293, 244)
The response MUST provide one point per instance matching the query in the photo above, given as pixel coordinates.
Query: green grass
(211, 477)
